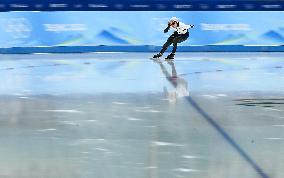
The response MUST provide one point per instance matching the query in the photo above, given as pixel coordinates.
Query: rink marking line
(227, 137)
(274, 138)
(46, 130)
(223, 133)
(258, 99)
(232, 70)
(187, 170)
(157, 143)
(277, 125)
(193, 157)
(183, 74)
(63, 111)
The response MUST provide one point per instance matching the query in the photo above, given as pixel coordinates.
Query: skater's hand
(167, 29)
(191, 26)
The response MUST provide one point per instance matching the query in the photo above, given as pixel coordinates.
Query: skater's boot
(157, 55)
(170, 56)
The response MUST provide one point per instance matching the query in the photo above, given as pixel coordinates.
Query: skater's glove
(167, 29)
(169, 24)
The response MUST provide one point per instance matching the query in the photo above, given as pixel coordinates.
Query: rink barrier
(149, 5)
(141, 48)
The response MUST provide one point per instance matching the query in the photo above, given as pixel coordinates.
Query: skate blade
(157, 60)
(169, 59)
(154, 59)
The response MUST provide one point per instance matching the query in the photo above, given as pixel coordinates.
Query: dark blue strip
(137, 5)
(142, 48)
(227, 137)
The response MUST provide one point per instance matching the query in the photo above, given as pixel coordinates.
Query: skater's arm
(189, 26)
(167, 29)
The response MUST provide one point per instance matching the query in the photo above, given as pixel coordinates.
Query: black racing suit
(174, 39)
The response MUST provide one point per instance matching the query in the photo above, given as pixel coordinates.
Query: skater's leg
(165, 47)
(176, 40)
(180, 38)
(174, 48)
(172, 55)
(167, 44)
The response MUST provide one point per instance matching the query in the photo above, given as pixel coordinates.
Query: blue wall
(26, 29)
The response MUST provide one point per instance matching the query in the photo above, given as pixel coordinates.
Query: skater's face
(174, 24)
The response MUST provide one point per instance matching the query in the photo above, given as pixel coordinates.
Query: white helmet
(174, 19)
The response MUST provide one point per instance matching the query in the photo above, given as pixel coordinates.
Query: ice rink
(122, 115)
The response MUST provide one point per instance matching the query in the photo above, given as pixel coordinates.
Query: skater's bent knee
(170, 41)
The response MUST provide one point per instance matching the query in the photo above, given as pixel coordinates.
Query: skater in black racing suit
(181, 34)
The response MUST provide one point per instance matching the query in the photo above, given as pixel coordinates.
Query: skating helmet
(174, 19)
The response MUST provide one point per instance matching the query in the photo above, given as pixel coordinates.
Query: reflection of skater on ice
(181, 34)
(180, 84)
